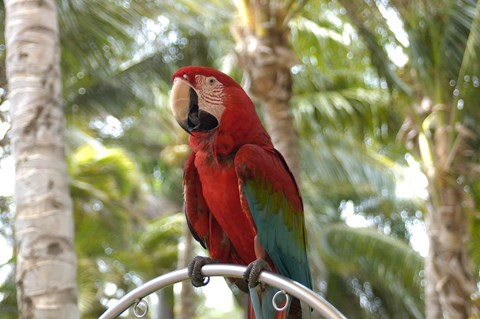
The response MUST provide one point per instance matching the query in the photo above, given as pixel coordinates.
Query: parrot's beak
(185, 108)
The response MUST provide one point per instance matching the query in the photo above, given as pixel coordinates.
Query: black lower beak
(199, 120)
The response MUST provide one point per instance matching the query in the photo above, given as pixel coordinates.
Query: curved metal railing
(290, 287)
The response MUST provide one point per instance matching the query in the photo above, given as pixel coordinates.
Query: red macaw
(241, 200)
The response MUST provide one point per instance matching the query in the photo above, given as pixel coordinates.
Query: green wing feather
(271, 199)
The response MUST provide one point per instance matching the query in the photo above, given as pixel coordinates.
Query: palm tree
(46, 260)
(443, 45)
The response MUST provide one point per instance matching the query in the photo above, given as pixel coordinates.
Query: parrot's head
(215, 110)
(198, 97)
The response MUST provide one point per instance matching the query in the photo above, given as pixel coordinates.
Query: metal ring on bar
(274, 303)
(292, 288)
(136, 308)
(206, 280)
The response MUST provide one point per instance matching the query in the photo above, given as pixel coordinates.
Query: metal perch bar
(289, 286)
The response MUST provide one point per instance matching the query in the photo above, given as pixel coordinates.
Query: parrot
(241, 201)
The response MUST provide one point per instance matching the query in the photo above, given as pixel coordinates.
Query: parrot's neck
(235, 131)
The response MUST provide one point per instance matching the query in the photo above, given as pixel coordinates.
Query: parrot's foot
(195, 270)
(254, 269)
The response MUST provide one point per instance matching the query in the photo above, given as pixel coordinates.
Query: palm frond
(126, 267)
(461, 38)
(87, 276)
(155, 247)
(468, 69)
(340, 168)
(109, 169)
(350, 108)
(126, 90)
(104, 29)
(342, 297)
(365, 19)
(333, 86)
(374, 257)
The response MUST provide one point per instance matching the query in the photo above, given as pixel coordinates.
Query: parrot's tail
(262, 304)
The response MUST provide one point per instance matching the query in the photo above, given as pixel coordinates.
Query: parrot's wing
(269, 194)
(201, 221)
(196, 209)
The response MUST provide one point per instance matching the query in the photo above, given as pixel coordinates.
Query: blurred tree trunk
(187, 297)
(448, 272)
(46, 260)
(165, 303)
(266, 57)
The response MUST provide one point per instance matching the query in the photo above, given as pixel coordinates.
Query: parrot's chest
(221, 192)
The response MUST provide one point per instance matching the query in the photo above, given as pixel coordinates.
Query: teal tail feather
(260, 304)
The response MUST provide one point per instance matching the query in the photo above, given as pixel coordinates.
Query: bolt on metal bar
(291, 287)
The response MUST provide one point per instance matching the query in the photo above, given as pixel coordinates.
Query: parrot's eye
(211, 81)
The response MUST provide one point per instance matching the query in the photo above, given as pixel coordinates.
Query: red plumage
(241, 200)
(215, 214)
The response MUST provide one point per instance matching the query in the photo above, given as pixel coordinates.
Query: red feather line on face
(191, 71)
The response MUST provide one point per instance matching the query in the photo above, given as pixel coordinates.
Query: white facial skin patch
(210, 95)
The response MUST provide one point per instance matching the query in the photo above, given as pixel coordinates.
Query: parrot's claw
(254, 269)
(195, 270)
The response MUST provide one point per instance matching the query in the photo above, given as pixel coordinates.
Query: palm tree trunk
(449, 276)
(46, 260)
(266, 57)
(280, 122)
(166, 302)
(276, 111)
(433, 309)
